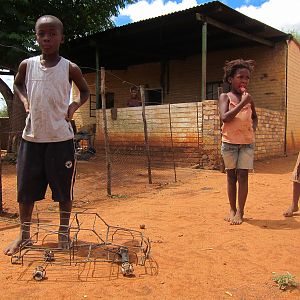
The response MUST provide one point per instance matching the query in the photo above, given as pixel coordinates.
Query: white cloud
(283, 15)
(9, 79)
(143, 10)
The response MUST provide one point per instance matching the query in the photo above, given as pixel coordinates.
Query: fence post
(200, 164)
(142, 91)
(1, 199)
(106, 141)
(172, 144)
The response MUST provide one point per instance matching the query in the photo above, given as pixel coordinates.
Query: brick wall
(4, 132)
(293, 103)
(189, 131)
(270, 134)
(267, 87)
(267, 84)
(82, 116)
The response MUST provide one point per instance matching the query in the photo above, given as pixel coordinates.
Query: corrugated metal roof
(172, 36)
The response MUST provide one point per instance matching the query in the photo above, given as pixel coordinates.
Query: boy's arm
(76, 76)
(254, 116)
(19, 85)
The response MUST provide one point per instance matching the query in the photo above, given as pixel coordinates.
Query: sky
(281, 14)
(9, 82)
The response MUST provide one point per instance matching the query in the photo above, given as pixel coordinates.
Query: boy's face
(240, 79)
(49, 35)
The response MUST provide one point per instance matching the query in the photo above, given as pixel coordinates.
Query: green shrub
(285, 281)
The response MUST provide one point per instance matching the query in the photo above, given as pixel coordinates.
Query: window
(110, 102)
(212, 92)
(153, 96)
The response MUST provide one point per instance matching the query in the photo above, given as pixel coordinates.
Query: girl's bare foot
(291, 210)
(237, 219)
(230, 216)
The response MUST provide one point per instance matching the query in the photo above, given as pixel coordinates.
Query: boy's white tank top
(48, 91)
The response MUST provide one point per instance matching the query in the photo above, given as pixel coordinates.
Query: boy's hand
(26, 105)
(71, 110)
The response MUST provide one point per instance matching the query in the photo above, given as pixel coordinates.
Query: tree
(17, 20)
(81, 18)
(295, 34)
(3, 112)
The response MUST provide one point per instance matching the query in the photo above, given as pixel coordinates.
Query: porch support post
(97, 80)
(204, 59)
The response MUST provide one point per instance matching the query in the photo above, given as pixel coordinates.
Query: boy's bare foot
(230, 216)
(63, 240)
(14, 246)
(237, 219)
(291, 210)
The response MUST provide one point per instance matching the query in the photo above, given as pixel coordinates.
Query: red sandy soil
(195, 253)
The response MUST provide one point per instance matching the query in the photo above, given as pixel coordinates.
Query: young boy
(237, 112)
(46, 153)
(294, 207)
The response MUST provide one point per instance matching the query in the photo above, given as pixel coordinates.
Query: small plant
(285, 281)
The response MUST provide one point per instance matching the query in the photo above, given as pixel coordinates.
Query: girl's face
(240, 80)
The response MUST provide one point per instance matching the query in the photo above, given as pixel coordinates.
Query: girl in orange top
(237, 112)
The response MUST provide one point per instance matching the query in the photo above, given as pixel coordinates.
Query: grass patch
(285, 281)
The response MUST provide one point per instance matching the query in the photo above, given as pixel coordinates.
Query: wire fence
(136, 150)
(169, 151)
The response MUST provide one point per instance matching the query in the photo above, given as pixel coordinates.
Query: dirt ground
(195, 254)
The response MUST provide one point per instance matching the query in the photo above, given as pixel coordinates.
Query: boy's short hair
(55, 19)
(232, 66)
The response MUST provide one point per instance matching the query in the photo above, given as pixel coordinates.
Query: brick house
(178, 58)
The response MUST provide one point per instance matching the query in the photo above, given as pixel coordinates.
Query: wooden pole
(198, 136)
(203, 65)
(142, 91)
(172, 144)
(97, 80)
(1, 199)
(106, 140)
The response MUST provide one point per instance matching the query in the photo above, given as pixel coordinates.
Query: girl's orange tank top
(240, 129)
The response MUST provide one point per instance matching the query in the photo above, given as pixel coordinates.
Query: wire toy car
(88, 238)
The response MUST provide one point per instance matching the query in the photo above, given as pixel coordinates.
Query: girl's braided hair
(232, 66)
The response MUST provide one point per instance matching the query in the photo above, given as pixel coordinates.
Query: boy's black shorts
(40, 164)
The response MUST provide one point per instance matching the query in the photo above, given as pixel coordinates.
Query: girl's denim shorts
(238, 156)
